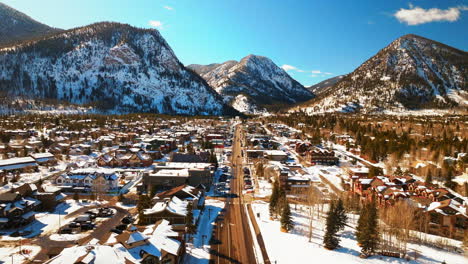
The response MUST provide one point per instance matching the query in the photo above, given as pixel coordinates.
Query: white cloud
(156, 24)
(169, 8)
(321, 72)
(288, 67)
(315, 73)
(417, 15)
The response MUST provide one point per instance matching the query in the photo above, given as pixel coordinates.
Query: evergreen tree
(213, 159)
(144, 202)
(274, 199)
(449, 183)
(429, 177)
(340, 214)
(76, 196)
(398, 171)
(121, 197)
(189, 226)
(367, 230)
(336, 221)
(330, 240)
(286, 221)
(361, 225)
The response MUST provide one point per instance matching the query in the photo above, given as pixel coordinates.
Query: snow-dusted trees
(367, 230)
(287, 223)
(336, 221)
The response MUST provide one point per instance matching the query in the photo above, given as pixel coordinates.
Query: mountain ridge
(410, 73)
(17, 26)
(114, 66)
(255, 82)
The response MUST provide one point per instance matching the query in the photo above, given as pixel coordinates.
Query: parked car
(87, 226)
(246, 171)
(127, 220)
(74, 225)
(246, 187)
(92, 213)
(85, 218)
(105, 212)
(121, 227)
(66, 231)
(117, 231)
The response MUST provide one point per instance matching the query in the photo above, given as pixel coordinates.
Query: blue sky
(318, 39)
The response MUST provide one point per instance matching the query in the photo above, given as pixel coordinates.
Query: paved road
(233, 229)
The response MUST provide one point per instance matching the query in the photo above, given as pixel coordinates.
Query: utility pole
(229, 240)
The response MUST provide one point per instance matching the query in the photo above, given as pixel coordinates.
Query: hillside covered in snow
(16, 26)
(109, 66)
(411, 73)
(253, 84)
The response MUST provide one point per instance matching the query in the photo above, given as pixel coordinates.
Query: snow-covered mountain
(16, 26)
(110, 66)
(323, 86)
(253, 84)
(409, 74)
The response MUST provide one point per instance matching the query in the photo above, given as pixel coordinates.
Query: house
(45, 158)
(89, 180)
(20, 164)
(49, 196)
(447, 218)
(200, 157)
(165, 179)
(92, 254)
(276, 155)
(173, 210)
(15, 210)
(195, 195)
(125, 160)
(168, 175)
(319, 156)
(157, 243)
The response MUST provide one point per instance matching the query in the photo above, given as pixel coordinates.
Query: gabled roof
(175, 206)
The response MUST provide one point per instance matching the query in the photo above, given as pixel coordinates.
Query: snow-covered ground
(332, 173)
(68, 237)
(294, 247)
(264, 189)
(50, 222)
(11, 255)
(198, 250)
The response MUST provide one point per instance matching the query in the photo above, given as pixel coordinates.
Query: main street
(234, 230)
